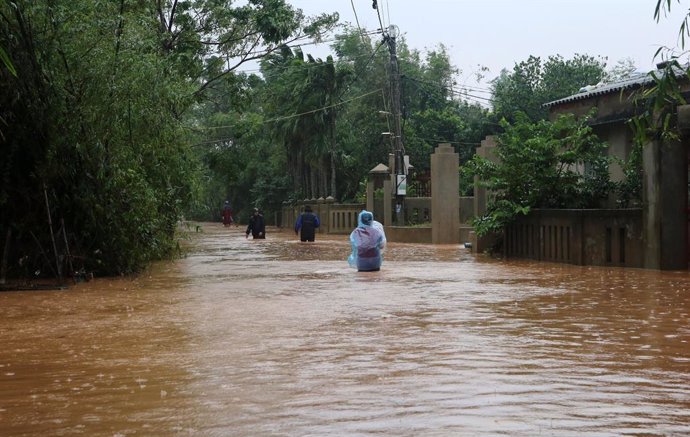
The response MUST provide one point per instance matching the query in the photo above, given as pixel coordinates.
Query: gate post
(445, 195)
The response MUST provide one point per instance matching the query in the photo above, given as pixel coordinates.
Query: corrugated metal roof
(636, 80)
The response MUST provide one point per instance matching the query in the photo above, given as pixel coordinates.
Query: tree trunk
(323, 170)
(332, 150)
(314, 183)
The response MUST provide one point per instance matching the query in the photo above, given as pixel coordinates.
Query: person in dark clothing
(306, 224)
(257, 226)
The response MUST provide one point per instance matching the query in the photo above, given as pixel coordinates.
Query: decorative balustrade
(336, 218)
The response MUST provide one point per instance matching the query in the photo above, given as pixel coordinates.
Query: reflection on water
(278, 337)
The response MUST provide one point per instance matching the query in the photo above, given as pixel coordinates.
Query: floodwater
(282, 338)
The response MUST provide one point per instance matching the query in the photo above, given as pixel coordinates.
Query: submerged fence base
(601, 237)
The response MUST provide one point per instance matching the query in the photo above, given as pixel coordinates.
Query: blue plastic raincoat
(368, 241)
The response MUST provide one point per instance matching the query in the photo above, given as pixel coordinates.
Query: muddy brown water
(282, 338)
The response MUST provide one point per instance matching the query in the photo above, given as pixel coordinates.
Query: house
(665, 164)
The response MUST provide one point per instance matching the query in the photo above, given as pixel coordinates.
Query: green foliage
(656, 107)
(534, 82)
(629, 190)
(664, 6)
(559, 164)
(301, 102)
(7, 62)
(96, 114)
(104, 139)
(656, 104)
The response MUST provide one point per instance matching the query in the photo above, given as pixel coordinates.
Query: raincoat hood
(365, 219)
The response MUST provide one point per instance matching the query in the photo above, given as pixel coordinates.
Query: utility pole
(400, 170)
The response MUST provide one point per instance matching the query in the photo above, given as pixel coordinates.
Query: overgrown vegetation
(96, 108)
(559, 164)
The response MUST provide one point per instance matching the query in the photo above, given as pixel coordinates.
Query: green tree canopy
(534, 82)
(100, 118)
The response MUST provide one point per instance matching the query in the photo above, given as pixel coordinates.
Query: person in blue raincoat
(368, 241)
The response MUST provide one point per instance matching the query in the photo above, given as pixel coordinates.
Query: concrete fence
(601, 237)
(340, 218)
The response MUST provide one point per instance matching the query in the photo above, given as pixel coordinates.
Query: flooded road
(282, 338)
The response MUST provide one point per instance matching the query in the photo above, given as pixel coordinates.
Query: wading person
(227, 214)
(256, 226)
(306, 225)
(368, 241)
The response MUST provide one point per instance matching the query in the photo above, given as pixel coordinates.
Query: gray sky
(498, 33)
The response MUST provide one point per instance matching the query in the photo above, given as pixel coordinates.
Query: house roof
(635, 80)
(380, 169)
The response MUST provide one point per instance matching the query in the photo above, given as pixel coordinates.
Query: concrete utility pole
(400, 170)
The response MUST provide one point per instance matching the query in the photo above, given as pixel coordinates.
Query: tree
(559, 164)
(361, 121)
(534, 82)
(623, 69)
(322, 120)
(210, 39)
(97, 118)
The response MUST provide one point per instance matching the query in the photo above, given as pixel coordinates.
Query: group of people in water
(256, 226)
(367, 240)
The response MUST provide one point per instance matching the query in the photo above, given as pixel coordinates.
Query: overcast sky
(499, 33)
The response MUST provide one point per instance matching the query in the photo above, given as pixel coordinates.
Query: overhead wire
(306, 65)
(287, 117)
(292, 46)
(378, 13)
(357, 20)
(371, 57)
(453, 91)
(388, 9)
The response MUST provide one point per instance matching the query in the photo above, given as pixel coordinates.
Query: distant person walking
(257, 226)
(368, 241)
(227, 214)
(306, 225)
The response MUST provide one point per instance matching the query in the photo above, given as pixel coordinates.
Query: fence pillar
(486, 150)
(664, 204)
(445, 197)
(377, 179)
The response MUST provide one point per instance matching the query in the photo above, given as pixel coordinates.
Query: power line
(292, 46)
(252, 70)
(357, 20)
(476, 89)
(388, 10)
(451, 90)
(378, 13)
(371, 58)
(305, 65)
(287, 117)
